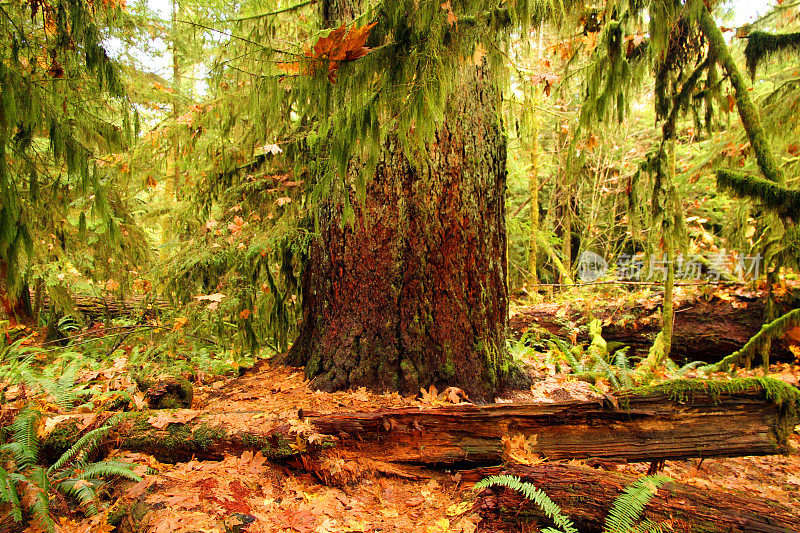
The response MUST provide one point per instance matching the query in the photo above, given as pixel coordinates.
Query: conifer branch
(270, 13)
(762, 45)
(777, 197)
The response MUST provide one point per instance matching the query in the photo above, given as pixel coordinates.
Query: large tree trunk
(411, 292)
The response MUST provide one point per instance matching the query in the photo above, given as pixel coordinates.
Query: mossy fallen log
(704, 330)
(676, 420)
(99, 307)
(586, 496)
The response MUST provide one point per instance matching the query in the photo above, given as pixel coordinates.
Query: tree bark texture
(16, 307)
(412, 291)
(586, 496)
(747, 111)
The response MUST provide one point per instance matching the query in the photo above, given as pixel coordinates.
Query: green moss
(278, 449)
(60, 440)
(779, 393)
(205, 435)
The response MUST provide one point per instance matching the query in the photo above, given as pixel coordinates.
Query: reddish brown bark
(646, 428)
(16, 306)
(412, 291)
(586, 496)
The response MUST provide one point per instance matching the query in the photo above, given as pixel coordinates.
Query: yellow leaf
(179, 323)
(459, 508)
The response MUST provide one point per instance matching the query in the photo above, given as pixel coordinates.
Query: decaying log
(704, 330)
(696, 420)
(586, 496)
(95, 307)
(633, 428)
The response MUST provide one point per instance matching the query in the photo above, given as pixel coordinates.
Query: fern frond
(107, 469)
(628, 507)
(622, 363)
(83, 447)
(25, 444)
(41, 501)
(82, 490)
(9, 495)
(648, 526)
(534, 494)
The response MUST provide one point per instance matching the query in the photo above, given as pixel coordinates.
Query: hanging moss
(762, 45)
(785, 201)
(751, 119)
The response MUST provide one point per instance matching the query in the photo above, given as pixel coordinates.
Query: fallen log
(97, 307)
(704, 330)
(586, 495)
(677, 420)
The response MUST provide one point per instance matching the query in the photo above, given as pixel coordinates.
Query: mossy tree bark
(747, 111)
(411, 292)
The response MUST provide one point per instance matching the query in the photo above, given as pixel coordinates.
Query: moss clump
(278, 449)
(204, 436)
(60, 440)
(169, 392)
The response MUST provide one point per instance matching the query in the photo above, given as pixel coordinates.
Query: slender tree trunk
(412, 291)
(176, 85)
(533, 191)
(747, 111)
(668, 310)
(566, 243)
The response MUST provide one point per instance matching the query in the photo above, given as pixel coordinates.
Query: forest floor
(250, 493)
(217, 496)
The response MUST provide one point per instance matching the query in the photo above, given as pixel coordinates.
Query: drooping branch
(774, 196)
(761, 45)
(772, 330)
(747, 111)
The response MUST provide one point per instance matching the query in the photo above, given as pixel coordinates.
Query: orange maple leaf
(341, 45)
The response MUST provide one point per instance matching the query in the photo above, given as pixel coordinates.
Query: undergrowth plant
(73, 475)
(624, 516)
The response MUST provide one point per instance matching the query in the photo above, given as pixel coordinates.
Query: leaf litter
(248, 493)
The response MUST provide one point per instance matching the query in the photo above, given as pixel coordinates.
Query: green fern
(536, 495)
(80, 449)
(24, 446)
(109, 469)
(625, 512)
(9, 494)
(62, 388)
(628, 507)
(624, 367)
(70, 475)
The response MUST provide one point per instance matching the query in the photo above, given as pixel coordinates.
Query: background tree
(62, 105)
